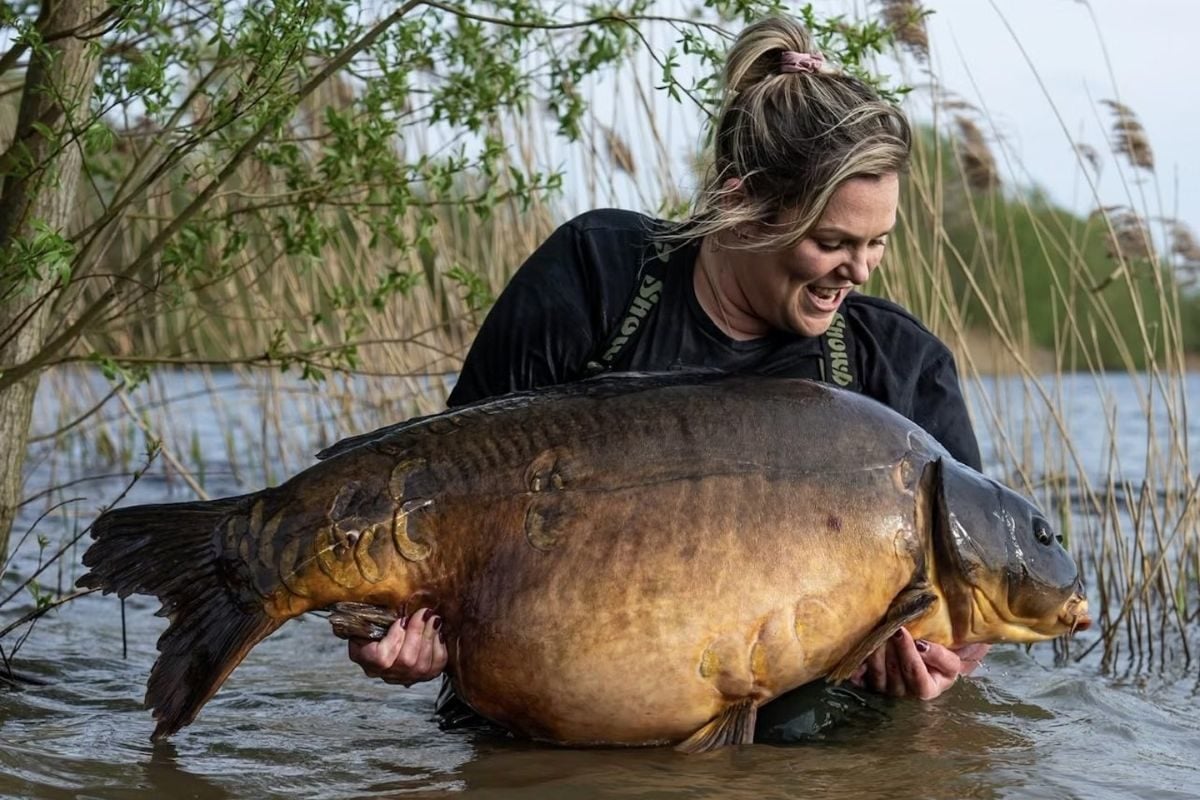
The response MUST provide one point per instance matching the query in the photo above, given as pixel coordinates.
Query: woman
(796, 213)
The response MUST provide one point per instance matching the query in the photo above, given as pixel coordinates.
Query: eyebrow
(845, 234)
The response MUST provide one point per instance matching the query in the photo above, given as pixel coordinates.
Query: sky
(1155, 62)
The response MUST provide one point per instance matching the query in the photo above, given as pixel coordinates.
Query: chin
(811, 326)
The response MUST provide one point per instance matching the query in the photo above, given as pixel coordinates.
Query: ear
(732, 192)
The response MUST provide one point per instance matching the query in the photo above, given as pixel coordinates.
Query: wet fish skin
(675, 550)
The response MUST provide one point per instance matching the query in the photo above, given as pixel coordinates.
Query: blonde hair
(792, 138)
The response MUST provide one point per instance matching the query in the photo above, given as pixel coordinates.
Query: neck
(720, 294)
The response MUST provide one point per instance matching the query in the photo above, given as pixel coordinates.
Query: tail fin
(174, 551)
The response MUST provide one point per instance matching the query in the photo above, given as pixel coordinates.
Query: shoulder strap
(838, 362)
(644, 299)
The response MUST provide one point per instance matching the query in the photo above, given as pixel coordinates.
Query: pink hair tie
(791, 61)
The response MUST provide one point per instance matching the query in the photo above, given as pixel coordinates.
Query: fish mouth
(1075, 616)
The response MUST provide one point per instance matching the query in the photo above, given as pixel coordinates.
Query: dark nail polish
(437, 623)
(404, 622)
(898, 634)
(922, 646)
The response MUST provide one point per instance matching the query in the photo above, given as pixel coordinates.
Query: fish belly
(649, 610)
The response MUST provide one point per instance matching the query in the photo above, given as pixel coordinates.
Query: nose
(857, 267)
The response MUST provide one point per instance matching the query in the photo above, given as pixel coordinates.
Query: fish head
(1001, 565)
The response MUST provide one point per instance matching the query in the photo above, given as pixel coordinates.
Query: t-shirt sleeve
(909, 369)
(939, 408)
(540, 331)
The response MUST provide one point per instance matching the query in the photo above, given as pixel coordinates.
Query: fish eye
(1042, 532)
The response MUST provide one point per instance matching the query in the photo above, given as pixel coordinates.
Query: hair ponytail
(791, 128)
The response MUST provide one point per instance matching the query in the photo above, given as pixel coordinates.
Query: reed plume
(1184, 244)
(1090, 155)
(978, 164)
(906, 19)
(1129, 137)
(619, 152)
(1129, 238)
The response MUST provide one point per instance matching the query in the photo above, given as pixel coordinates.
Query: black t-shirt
(561, 305)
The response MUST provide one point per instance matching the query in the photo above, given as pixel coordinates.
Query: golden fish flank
(753, 556)
(347, 548)
(408, 548)
(289, 565)
(335, 556)
(710, 663)
(544, 516)
(267, 559)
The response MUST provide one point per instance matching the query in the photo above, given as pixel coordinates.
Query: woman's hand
(414, 650)
(903, 667)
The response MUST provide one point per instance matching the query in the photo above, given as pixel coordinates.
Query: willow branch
(72, 332)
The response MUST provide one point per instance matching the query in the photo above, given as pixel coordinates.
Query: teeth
(823, 293)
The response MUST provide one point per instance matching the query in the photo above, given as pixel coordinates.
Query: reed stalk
(982, 263)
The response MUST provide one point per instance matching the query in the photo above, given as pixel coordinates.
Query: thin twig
(72, 331)
(12, 553)
(75, 539)
(583, 23)
(41, 611)
(183, 471)
(59, 487)
(78, 420)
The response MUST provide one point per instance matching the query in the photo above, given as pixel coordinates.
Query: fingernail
(404, 622)
(437, 623)
(441, 638)
(922, 646)
(898, 634)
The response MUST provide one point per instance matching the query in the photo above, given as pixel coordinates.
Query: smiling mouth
(825, 298)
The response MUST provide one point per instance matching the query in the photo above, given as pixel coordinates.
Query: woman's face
(800, 288)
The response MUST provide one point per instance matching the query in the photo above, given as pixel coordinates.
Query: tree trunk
(54, 103)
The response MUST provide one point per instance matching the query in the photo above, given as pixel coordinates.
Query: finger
(971, 657)
(424, 666)
(441, 656)
(940, 660)
(409, 655)
(366, 656)
(375, 657)
(917, 680)
(876, 675)
(857, 678)
(893, 671)
(386, 648)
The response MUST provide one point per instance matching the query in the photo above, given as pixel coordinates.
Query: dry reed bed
(1138, 538)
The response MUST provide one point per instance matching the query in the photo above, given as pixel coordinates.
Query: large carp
(627, 560)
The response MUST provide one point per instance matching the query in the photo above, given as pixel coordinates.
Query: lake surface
(298, 719)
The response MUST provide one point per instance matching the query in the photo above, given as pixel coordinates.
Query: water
(298, 719)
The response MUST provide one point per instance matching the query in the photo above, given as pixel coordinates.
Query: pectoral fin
(909, 605)
(734, 725)
(360, 620)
